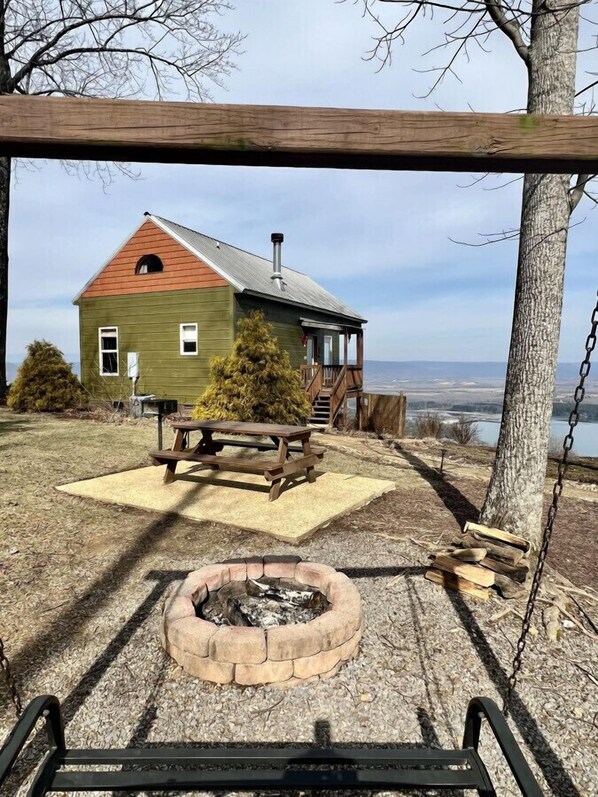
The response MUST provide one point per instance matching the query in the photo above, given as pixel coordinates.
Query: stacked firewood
(482, 558)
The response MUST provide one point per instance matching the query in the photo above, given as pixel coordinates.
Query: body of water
(585, 435)
(475, 389)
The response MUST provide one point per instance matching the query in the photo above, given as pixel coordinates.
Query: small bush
(111, 395)
(465, 432)
(45, 382)
(428, 425)
(255, 382)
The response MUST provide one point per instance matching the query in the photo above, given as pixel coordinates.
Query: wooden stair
(328, 387)
(320, 415)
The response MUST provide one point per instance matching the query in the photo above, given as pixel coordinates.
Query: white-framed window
(108, 347)
(188, 339)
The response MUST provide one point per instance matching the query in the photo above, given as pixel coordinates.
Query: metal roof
(250, 273)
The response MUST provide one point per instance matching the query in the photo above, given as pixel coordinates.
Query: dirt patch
(437, 506)
(448, 504)
(471, 460)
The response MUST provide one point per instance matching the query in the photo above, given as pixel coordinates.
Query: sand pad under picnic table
(237, 499)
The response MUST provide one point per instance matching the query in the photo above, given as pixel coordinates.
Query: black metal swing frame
(248, 769)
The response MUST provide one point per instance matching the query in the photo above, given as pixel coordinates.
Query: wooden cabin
(169, 299)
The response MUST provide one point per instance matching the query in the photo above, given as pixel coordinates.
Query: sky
(380, 241)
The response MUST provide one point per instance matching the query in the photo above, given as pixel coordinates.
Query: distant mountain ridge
(413, 370)
(430, 370)
(12, 368)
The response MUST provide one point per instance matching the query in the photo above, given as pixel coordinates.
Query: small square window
(188, 339)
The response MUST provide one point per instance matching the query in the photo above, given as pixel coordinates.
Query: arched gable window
(149, 264)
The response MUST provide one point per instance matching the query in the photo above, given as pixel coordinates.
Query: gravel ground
(84, 627)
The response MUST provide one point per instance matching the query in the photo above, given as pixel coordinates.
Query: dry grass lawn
(81, 584)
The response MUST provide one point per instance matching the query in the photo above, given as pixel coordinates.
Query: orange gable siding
(182, 270)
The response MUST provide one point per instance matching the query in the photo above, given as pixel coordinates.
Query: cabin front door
(311, 353)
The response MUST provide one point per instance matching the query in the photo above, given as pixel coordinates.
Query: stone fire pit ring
(287, 655)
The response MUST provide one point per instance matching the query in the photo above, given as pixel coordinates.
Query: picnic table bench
(207, 450)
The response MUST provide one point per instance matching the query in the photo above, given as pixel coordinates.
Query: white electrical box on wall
(133, 364)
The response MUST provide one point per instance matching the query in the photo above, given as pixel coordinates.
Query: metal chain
(11, 685)
(557, 490)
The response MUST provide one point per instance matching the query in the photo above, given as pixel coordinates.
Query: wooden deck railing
(330, 374)
(354, 377)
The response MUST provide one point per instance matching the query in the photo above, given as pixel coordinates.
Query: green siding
(149, 324)
(286, 325)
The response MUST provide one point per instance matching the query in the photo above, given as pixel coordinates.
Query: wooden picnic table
(207, 450)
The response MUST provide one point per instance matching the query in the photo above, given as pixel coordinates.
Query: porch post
(360, 366)
(345, 358)
(360, 348)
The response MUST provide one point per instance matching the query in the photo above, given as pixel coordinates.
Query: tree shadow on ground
(433, 687)
(457, 504)
(546, 758)
(89, 680)
(58, 634)
(56, 638)
(549, 762)
(13, 424)
(382, 572)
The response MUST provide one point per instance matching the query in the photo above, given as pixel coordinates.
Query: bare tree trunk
(514, 499)
(5, 173)
(4, 207)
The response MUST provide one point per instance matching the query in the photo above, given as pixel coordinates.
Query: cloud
(380, 240)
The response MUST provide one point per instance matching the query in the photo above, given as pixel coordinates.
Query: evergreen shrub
(45, 382)
(256, 382)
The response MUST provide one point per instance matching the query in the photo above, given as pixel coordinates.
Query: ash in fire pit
(263, 603)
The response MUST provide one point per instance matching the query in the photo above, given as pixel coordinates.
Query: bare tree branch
(473, 22)
(510, 27)
(587, 88)
(117, 48)
(577, 192)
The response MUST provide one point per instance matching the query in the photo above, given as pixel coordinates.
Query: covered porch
(332, 375)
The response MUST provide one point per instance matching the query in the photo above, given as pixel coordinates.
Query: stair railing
(314, 385)
(337, 397)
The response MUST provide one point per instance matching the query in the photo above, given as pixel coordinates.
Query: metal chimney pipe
(277, 238)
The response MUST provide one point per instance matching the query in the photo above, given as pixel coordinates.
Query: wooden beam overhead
(256, 135)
